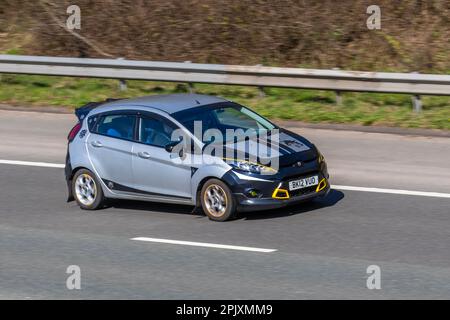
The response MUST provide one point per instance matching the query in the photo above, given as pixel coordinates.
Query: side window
(91, 122)
(157, 132)
(117, 126)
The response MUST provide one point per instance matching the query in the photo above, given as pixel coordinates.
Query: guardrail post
(122, 82)
(338, 98)
(122, 85)
(190, 84)
(338, 94)
(261, 92)
(416, 101)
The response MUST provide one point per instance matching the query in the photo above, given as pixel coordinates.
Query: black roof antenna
(198, 102)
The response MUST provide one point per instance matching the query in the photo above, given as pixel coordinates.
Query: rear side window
(91, 122)
(117, 126)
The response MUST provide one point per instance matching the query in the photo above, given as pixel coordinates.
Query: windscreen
(223, 117)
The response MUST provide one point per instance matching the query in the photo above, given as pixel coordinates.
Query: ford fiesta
(125, 149)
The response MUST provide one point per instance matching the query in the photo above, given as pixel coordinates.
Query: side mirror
(169, 147)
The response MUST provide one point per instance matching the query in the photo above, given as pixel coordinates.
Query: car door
(109, 147)
(154, 169)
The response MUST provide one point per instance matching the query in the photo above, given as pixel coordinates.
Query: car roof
(169, 103)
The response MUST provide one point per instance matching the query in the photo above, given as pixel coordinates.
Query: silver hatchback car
(177, 149)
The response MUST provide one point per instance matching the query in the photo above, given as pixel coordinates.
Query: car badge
(82, 133)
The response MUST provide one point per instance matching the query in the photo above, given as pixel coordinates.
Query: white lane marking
(33, 164)
(393, 191)
(203, 244)
(335, 186)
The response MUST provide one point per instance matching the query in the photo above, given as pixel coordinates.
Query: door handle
(96, 144)
(144, 155)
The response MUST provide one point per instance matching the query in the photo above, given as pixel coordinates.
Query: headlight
(251, 167)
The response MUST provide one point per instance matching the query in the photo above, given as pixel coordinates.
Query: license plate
(303, 183)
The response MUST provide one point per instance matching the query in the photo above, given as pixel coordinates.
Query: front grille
(293, 163)
(300, 192)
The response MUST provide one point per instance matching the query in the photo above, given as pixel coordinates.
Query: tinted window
(117, 126)
(235, 118)
(157, 132)
(91, 122)
(223, 116)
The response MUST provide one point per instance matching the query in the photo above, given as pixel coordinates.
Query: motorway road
(323, 249)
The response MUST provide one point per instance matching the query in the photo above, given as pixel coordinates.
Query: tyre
(87, 190)
(217, 201)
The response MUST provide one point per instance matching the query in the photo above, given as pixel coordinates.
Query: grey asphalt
(323, 248)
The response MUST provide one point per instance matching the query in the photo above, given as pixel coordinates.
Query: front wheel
(217, 201)
(87, 190)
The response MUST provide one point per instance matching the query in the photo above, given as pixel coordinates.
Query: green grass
(288, 104)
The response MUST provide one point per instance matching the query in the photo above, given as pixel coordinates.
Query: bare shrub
(324, 34)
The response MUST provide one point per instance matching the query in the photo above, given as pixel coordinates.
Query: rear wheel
(217, 201)
(87, 190)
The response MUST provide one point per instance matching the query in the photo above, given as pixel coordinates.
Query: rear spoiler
(83, 111)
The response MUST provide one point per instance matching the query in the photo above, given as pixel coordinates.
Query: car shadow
(333, 197)
(152, 207)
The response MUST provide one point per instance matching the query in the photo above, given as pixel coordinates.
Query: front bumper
(267, 188)
(246, 204)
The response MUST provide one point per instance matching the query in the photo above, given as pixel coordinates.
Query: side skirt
(124, 192)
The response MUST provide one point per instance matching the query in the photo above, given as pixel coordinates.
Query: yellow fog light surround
(322, 184)
(279, 193)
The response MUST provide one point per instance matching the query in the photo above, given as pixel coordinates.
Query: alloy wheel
(86, 189)
(215, 200)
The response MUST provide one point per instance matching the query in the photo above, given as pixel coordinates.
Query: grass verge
(286, 104)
